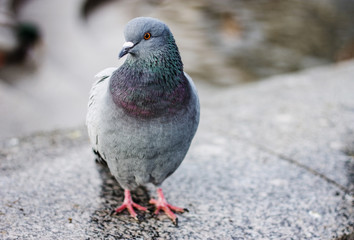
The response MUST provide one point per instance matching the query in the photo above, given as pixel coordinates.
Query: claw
(130, 205)
(161, 203)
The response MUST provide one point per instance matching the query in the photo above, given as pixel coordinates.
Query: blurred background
(50, 50)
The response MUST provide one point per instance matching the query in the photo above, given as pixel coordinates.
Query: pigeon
(143, 115)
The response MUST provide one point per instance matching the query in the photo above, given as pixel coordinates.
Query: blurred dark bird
(28, 35)
(143, 116)
(17, 39)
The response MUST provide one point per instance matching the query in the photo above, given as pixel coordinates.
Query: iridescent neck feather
(152, 86)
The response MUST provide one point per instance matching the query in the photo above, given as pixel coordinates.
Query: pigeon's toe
(130, 205)
(161, 204)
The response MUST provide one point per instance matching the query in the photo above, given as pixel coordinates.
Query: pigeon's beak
(126, 47)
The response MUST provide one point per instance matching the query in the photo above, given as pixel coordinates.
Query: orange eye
(147, 36)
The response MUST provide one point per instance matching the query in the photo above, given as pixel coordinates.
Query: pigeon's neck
(152, 86)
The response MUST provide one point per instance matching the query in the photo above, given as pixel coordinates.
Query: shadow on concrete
(104, 220)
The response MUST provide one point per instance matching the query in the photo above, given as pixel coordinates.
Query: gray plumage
(142, 116)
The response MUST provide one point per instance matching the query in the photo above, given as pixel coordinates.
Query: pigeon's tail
(99, 159)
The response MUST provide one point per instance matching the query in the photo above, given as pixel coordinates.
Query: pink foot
(129, 204)
(161, 203)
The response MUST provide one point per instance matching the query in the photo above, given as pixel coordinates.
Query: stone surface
(271, 160)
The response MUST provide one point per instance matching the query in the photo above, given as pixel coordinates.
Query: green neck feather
(151, 85)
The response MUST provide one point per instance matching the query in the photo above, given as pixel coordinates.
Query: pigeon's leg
(129, 205)
(161, 203)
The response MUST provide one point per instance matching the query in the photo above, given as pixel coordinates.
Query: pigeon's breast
(151, 99)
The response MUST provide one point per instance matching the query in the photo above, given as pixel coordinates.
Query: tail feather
(99, 159)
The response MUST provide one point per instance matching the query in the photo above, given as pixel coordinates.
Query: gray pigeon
(143, 116)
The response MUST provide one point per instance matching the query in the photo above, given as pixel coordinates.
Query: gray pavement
(271, 160)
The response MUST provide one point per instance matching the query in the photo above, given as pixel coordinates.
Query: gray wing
(92, 119)
(195, 95)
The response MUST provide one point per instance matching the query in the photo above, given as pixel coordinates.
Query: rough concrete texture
(271, 160)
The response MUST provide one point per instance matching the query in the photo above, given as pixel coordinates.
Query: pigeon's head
(146, 36)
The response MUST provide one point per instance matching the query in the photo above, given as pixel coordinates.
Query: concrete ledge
(271, 160)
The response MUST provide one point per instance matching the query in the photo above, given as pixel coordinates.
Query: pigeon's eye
(147, 36)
